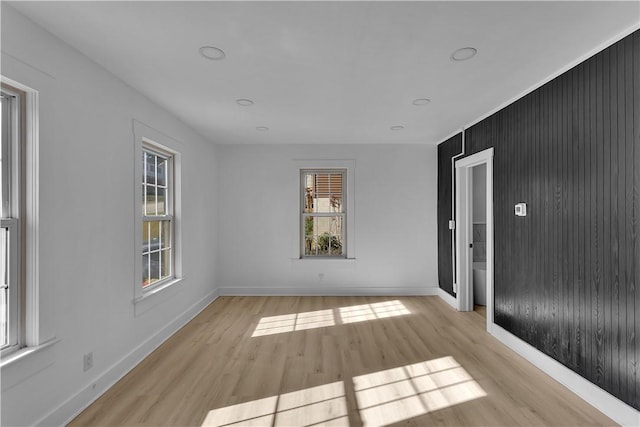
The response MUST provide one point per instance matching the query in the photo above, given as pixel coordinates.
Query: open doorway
(479, 237)
(474, 233)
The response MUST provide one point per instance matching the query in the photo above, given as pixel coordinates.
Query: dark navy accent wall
(567, 274)
(446, 150)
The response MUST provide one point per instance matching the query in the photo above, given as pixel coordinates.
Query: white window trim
(350, 166)
(12, 169)
(31, 341)
(146, 136)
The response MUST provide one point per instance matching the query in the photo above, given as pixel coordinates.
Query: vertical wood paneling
(446, 151)
(615, 225)
(631, 215)
(606, 231)
(566, 276)
(636, 214)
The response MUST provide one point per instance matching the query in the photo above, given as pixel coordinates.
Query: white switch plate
(521, 209)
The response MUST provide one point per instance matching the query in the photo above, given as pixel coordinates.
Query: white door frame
(464, 231)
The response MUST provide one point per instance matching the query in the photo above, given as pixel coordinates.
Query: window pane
(145, 270)
(162, 171)
(154, 264)
(144, 168)
(323, 236)
(162, 202)
(165, 235)
(156, 258)
(308, 196)
(149, 200)
(4, 317)
(5, 129)
(150, 168)
(323, 192)
(145, 237)
(166, 263)
(4, 278)
(154, 235)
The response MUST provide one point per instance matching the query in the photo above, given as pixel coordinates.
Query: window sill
(27, 362)
(26, 351)
(156, 295)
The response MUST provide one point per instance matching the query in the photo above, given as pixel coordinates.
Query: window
(158, 219)
(10, 230)
(323, 213)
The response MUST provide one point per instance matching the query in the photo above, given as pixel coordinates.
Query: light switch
(521, 209)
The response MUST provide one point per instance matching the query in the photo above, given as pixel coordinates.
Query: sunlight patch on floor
(397, 394)
(321, 405)
(329, 317)
(294, 322)
(379, 310)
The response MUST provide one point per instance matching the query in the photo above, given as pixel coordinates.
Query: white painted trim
(599, 48)
(464, 231)
(350, 166)
(21, 354)
(31, 240)
(606, 403)
(452, 232)
(18, 367)
(102, 382)
(330, 291)
(448, 298)
(464, 235)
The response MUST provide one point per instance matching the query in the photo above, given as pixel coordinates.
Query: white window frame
(36, 340)
(153, 149)
(304, 215)
(348, 193)
(12, 143)
(149, 139)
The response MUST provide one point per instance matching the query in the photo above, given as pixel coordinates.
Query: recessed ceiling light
(464, 53)
(244, 102)
(397, 127)
(421, 101)
(262, 128)
(212, 52)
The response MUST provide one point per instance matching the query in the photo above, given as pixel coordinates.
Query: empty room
(320, 213)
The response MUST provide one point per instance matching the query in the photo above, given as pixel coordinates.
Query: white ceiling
(333, 72)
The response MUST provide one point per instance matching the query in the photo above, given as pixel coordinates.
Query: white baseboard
(77, 403)
(606, 403)
(329, 291)
(448, 298)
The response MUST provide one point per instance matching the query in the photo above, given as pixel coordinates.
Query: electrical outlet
(88, 361)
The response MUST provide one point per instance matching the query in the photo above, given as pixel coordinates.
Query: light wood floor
(336, 361)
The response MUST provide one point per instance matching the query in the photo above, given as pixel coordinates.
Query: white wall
(87, 207)
(395, 221)
(241, 201)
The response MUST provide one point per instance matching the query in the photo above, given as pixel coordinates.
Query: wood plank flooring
(355, 361)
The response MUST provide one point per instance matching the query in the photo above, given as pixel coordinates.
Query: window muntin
(10, 281)
(323, 213)
(157, 210)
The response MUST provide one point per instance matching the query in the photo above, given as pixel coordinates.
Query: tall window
(158, 219)
(10, 230)
(323, 213)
